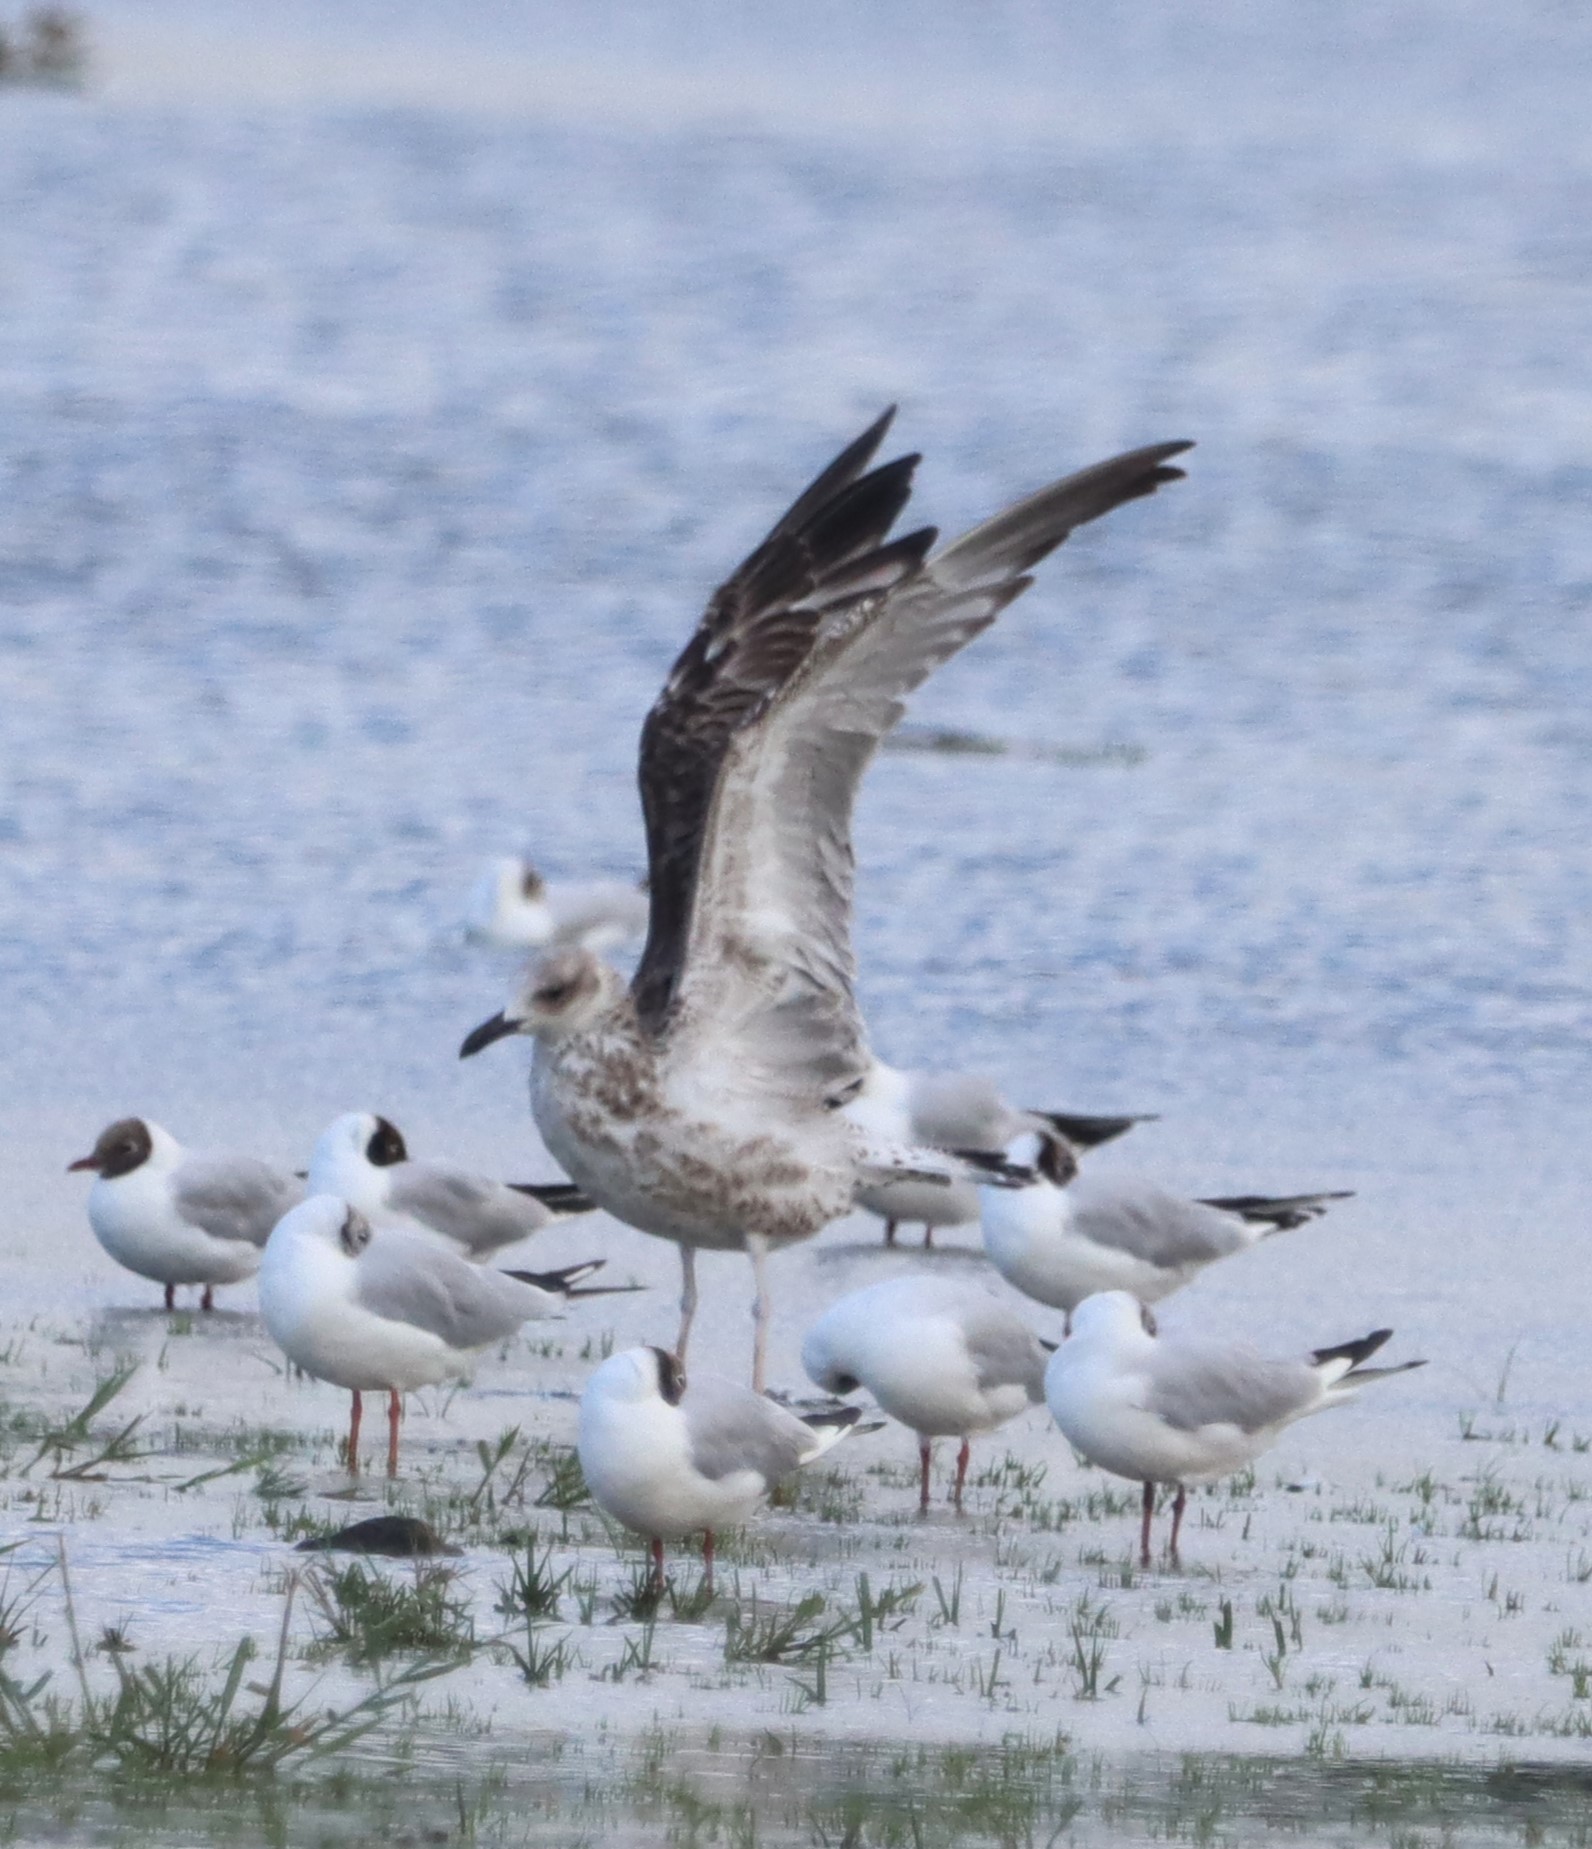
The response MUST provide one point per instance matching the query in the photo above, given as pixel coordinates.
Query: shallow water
(382, 393)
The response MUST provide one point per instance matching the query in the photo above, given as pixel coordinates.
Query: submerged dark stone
(400, 1537)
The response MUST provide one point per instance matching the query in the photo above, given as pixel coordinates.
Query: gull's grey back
(1148, 1223)
(732, 1428)
(410, 1280)
(479, 1214)
(1196, 1383)
(233, 1197)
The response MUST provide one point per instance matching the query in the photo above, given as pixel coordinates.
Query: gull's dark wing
(773, 713)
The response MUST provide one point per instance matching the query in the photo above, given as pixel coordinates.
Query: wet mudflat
(381, 398)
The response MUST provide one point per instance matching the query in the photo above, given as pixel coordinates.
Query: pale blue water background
(383, 388)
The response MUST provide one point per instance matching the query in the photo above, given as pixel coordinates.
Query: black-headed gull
(1063, 1235)
(514, 907)
(670, 1460)
(385, 1310)
(181, 1216)
(701, 1102)
(946, 1359)
(952, 1111)
(1180, 1408)
(363, 1158)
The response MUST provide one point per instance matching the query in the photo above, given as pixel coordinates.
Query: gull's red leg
(961, 1472)
(395, 1411)
(1144, 1527)
(925, 1453)
(353, 1433)
(1179, 1504)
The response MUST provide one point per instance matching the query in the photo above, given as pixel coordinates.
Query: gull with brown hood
(181, 1216)
(702, 1102)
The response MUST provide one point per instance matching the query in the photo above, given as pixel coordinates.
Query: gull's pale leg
(1179, 1504)
(395, 1411)
(925, 1458)
(688, 1300)
(757, 1251)
(961, 1472)
(1144, 1526)
(353, 1434)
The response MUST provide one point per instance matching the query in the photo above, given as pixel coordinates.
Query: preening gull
(385, 1310)
(702, 1102)
(1065, 1235)
(364, 1160)
(514, 907)
(955, 1111)
(181, 1216)
(946, 1359)
(1180, 1408)
(670, 1460)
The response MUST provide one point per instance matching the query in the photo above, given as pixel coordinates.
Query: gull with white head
(385, 1310)
(516, 908)
(363, 1159)
(946, 1359)
(1059, 1236)
(702, 1102)
(181, 1216)
(960, 1111)
(670, 1460)
(1183, 1409)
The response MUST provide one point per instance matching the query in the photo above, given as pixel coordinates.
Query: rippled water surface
(383, 389)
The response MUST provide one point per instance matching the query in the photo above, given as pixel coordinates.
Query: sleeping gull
(181, 1216)
(1064, 1236)
(514, 907)
(957, 1111)
(946, 1359)
(700, 1103)
(385, 1310)
(669, 1460)
(1181, 1408)
(364, 1160)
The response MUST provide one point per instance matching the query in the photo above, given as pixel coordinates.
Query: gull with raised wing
(669, 1460)
(181, 1216)
(364, 1159)
(385, 1310)
(1059, 1236)
(702, 1102)
(1183, 1409)
(946, 1359)
(954, 1111)
(516, 908)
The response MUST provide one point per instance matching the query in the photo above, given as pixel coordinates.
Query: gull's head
(1047, 1153)
(561, 994)
(821, 1365)
(126, 1145)
(637, 1375)
(358, 1136)
(1109, 1315)
(328, 1220)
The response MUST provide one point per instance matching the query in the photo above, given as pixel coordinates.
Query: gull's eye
(555, 994)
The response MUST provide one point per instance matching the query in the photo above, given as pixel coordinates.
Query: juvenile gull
(1180, 1408)
(701, 1103)
(670, 1460)
(181, 1216)
(364, 1160)
(1064, 1235)
(955, 1111)
(945, 1359)
(514, 907)
(384, 1310)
